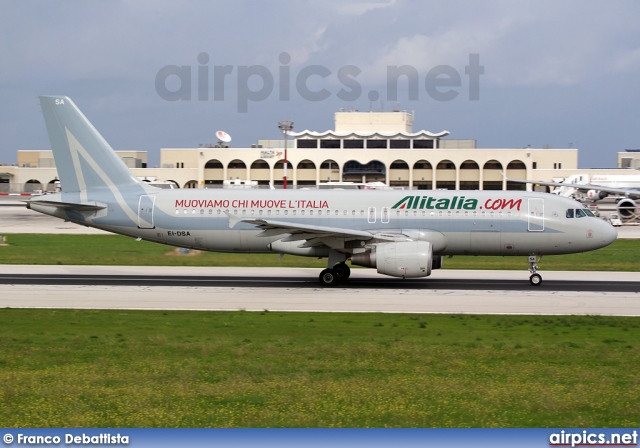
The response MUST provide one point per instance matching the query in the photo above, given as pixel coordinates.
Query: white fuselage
(455, 222)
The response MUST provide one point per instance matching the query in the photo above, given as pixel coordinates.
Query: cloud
(107, 54)
(358, 8)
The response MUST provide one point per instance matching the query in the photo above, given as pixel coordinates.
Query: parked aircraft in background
(599, 187)
(399, 233)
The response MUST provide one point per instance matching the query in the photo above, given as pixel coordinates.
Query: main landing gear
(332, 276)
(535, 279)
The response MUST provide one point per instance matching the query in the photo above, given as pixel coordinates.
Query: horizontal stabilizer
(80, 207)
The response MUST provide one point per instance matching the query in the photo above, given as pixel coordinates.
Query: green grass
(85, 368)
(108, 368)
(622, 255)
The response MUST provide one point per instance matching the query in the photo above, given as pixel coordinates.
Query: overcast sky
(557, 73)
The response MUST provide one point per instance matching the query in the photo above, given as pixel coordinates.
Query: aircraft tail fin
(84, 159)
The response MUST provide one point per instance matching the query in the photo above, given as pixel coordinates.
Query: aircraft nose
(607, 233)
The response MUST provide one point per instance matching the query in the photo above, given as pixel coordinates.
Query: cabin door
(535, 215)
(371, 217)
(145, 212)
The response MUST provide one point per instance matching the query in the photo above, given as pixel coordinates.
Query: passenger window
(570, 213)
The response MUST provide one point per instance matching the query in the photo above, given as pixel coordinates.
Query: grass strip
(111, 368)
(622, 255)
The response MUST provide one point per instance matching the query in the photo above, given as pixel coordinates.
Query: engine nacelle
(627, 208)
(596, 195)
(406, 259)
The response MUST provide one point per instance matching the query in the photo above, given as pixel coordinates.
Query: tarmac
(297, 290)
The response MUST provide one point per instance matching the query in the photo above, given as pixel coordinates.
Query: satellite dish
(223, 136)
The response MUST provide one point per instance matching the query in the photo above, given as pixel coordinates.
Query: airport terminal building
(364, 147)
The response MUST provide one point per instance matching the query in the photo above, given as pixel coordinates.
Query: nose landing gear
(535, 279)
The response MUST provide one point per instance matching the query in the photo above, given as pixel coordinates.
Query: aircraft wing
(629, 192)
(299, 232)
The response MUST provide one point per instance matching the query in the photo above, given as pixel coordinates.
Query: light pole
(286, 126)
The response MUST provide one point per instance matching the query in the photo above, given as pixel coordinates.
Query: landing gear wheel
(328, 277)
(342, 271)
(535, 279)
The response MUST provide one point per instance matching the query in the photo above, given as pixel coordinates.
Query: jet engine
(596, 195)
(627, 208)
(406, 259)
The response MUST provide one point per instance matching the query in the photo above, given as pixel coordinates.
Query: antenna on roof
(223, 137)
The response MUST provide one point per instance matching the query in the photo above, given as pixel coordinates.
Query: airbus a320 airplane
(400, 233)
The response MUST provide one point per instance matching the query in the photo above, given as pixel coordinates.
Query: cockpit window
(579, 213)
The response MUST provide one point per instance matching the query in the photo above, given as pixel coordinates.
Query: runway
(291, 289)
